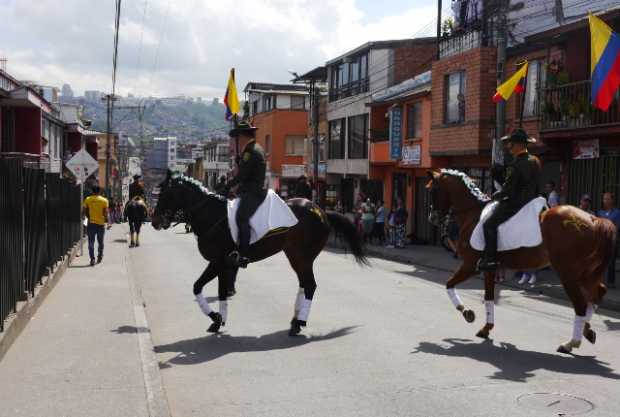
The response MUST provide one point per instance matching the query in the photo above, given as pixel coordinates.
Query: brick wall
(412, 60)
(473, 136)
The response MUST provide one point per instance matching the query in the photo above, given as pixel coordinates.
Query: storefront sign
(293, 171)
(396, 140)
(586, 149)
(412, 155)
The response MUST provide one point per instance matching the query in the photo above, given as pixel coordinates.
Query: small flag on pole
(512, 85)
(605, 62)
(231, 101)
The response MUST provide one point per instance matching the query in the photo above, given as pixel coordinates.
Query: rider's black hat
(243, 128)
(137, 177)
(519, 136)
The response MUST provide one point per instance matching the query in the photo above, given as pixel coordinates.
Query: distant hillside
(183, 118)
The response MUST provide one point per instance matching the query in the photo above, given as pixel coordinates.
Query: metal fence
(39, 223)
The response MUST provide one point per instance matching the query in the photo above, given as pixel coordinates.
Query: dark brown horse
(207, 214)
(577, 245)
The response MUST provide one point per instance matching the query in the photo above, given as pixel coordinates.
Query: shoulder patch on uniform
(246, 156)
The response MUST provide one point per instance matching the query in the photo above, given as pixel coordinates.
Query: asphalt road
(380, 341)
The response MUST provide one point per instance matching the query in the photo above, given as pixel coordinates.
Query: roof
(536, 17)
(273, 88)
(419, 84)
(385, 45)
(317, 74)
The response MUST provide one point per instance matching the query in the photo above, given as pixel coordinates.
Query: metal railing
(567, 107)
(40, 220)
(459, 43)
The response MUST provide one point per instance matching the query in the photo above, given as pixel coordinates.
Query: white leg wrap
(589, 312)
(203, 304)
(224, 310)
(304, 310)
(489, 306)
(454, 297)
(301, 296)
(578, 327)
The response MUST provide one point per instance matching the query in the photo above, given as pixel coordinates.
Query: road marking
(156, 399)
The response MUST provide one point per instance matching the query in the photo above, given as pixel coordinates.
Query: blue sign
(396, 140)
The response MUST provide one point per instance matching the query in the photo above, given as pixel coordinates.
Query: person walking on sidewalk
(609, 211)
(379, 226)
(400, 220)
(96, 211)
(586, 204)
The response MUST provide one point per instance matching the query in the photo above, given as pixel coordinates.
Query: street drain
(555, 403)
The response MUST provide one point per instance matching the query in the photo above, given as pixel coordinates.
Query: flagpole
(519, 66)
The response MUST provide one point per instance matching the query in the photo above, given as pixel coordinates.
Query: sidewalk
(83, 352)
(438, 258)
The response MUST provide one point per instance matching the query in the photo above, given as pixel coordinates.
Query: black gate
(423, 231)
(40, 221)
(594, 176)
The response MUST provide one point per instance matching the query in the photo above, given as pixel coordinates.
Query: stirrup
(485, 265)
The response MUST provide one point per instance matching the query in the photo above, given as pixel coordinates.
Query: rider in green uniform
(251, 180)
(519, 188)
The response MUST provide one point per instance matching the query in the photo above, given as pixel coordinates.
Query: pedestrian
(586, 204)
(379, 226)
(400, 223)
(303, 189)
(96, 211)
(339, 208)
(553, 198)
(391, 228)
(368, 219)
(609, 211)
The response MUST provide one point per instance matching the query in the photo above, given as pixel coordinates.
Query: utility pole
(316, 101)
(110, 99)
(500, 107)
(438, 26)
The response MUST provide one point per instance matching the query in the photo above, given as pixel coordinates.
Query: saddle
(520, 231)
(272, 216)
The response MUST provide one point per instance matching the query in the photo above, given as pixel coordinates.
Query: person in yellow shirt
(96, 211)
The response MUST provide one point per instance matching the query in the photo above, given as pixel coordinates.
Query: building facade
(216, 161)
(280, 112)
(352, 79)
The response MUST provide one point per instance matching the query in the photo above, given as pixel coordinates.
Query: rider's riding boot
(240, 258)
(488, 262)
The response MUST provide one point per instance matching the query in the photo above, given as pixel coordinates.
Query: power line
(115, 56)
(139, 57)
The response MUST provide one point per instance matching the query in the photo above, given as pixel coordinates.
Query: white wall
(283, 101)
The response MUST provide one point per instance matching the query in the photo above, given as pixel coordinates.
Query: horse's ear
(432, 175)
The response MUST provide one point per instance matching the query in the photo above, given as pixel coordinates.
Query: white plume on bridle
(469, 184)
(193, 182)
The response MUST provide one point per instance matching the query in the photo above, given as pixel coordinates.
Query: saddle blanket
(520, 231)
(273, 213)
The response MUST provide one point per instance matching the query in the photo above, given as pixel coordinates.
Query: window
(298, 102)
(455, 97)
(267, 144)
(255, 107)
(294, 145)
(336, 139)
(358, 137)
(268, 102)
(536, 76)
(349, 78)
(414, 120)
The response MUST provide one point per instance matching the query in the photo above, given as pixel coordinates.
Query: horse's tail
(605, 237)
(343, 226)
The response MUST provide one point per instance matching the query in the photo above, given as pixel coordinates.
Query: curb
(27, 309)
(555, 292)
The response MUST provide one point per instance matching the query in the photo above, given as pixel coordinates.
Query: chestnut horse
(576, 244)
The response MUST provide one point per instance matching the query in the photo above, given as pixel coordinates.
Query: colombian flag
(231, 101)
(605, 59)
(513, 84)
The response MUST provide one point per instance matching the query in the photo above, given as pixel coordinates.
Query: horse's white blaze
(304, 310)
(454, 297)
(298, 300)
(578, 324)
(489, 306)
(224, 309)
(203, 304)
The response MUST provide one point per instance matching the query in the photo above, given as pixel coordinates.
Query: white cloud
(187, 47)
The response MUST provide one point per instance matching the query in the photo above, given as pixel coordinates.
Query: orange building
(280, 112)
(400, 125)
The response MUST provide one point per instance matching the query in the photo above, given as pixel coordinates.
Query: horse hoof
(482, 334)
(214, 328)
(217, 322)
(469, 315)
(295, 327)
(563, 349)
(590, 336)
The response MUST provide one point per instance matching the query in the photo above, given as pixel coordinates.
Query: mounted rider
(136, 188)
(250, 179)
(520, 186)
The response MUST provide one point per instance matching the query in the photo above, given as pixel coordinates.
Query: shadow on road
(514, 364)
(130, 330)
(612, 325)
(208, 348)
(120, 241)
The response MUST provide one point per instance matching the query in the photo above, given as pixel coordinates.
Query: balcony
(567, 107)
(348, 90)
(462, 42)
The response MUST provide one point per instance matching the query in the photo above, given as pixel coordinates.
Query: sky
(173, 47)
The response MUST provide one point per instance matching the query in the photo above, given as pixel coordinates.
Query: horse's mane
(199, 187)
(469, 184)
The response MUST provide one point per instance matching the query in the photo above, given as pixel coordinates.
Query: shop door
(423, 231)
(347, 194)
(399, 188)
